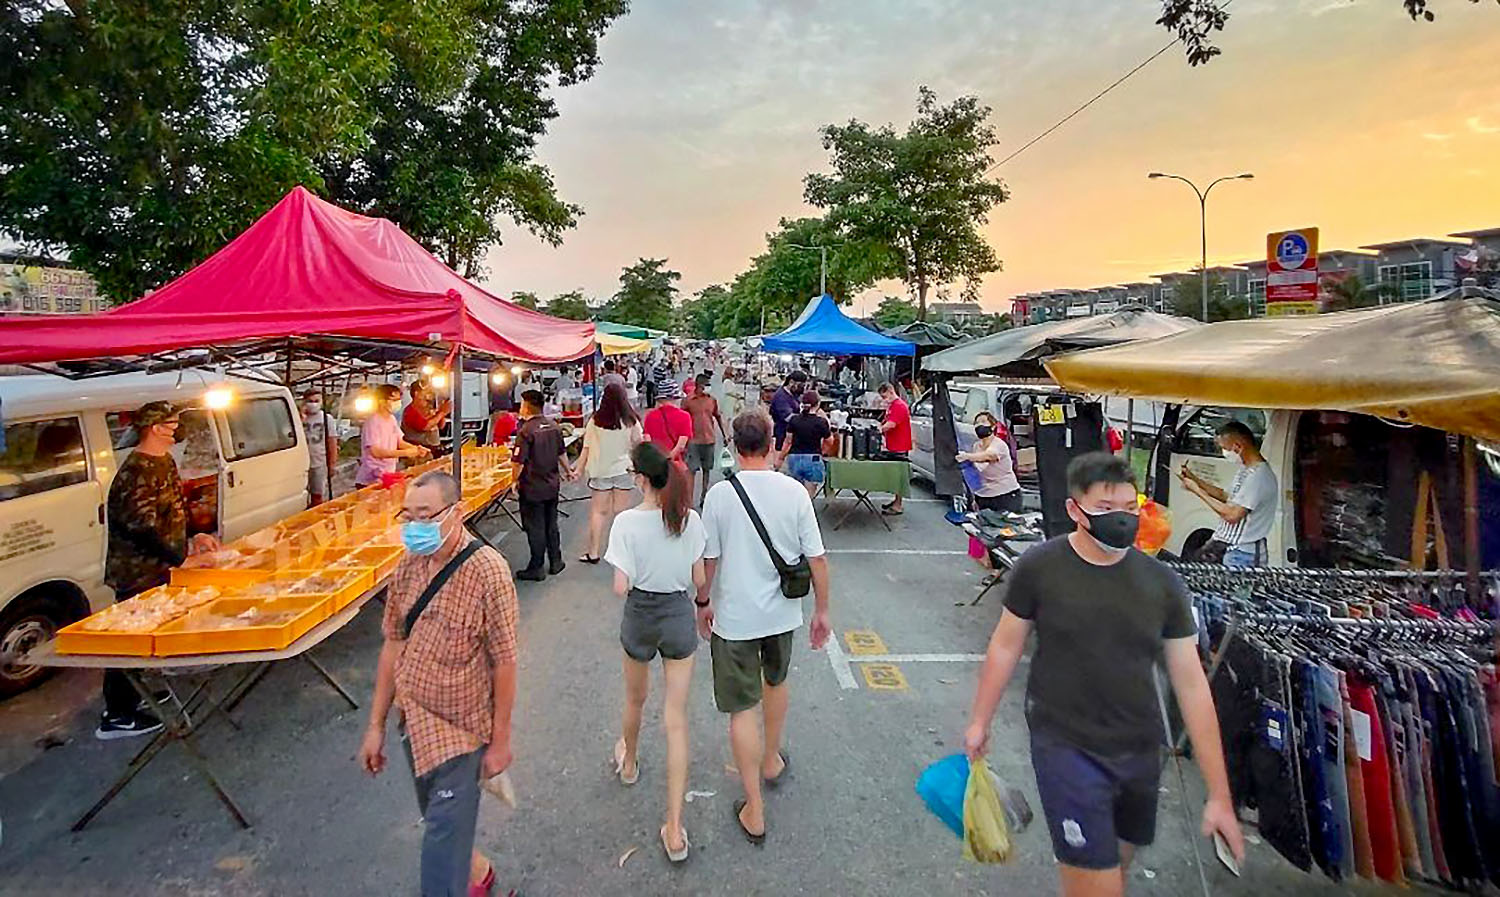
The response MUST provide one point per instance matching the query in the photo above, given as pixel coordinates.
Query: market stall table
(1004, 543)
(178, 718)
(863, 477)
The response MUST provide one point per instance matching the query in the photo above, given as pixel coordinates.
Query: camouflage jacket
(147, 524)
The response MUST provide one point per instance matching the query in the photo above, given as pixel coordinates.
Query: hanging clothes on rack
(1359, 732)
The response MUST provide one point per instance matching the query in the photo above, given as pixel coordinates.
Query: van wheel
(26, 623)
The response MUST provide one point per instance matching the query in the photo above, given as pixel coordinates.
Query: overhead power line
(1092, 100)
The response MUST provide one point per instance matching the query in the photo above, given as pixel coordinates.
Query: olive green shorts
(741, 667)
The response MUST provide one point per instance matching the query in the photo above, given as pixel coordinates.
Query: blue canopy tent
(822, 329)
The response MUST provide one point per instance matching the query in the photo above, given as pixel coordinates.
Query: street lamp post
(823, 270)
(1203, 222)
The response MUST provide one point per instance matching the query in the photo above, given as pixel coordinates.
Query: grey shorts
(623, 482)
(740, 668)
(661, 622)
(702, 456)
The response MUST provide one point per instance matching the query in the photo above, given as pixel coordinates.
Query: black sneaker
(556, 568)
(112, 727)
(531, 574)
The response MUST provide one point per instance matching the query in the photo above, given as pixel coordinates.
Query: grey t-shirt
(1099, 632)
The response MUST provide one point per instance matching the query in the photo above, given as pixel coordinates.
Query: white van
(1348, 484)
(243, 467)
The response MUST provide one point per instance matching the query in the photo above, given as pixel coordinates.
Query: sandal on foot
(619, 759)
(588, 559)
(676, 856)
(786, 766)
(482, 888)
(758, 840)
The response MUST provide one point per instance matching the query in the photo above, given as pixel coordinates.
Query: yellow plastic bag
(986, 832)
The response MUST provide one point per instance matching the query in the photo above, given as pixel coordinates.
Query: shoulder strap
(442, 577)
(760, 526)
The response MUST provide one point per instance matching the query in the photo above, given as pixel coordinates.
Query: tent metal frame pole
(456, 376)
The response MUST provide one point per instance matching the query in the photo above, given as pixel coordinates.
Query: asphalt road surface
(848, 822)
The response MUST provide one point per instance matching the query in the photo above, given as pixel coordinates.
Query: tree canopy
(571, 305)
(138, 138)
(895, 311)
(1195, 22)
(647, 292)
(920, 196)
(525, 300)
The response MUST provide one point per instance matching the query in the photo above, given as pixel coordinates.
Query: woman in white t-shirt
(612, 431)
(656, 549)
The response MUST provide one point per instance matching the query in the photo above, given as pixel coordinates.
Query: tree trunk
(921, 298)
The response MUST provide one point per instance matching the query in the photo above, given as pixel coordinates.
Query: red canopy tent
(306, 269)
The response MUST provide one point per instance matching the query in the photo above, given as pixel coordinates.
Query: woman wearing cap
(657, 552)
(802, 458)
(380, 442)
(999, 490)
(612, 431)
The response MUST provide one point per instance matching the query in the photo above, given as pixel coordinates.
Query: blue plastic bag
(941, 786)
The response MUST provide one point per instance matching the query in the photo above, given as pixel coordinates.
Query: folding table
(182, 720)
(862, 477)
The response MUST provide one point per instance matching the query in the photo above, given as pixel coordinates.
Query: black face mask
(984, 431)
(1113, 529)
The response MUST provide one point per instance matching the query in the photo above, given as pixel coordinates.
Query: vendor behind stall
(999, 490)
(380, 442)
(424, 418)
(322, 447)
(1248, 510)
(897, 431)
(147, 538)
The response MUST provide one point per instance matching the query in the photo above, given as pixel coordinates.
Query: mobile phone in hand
(1226, 856)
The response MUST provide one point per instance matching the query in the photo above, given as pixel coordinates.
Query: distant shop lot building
(29, 286)
(1399, 270)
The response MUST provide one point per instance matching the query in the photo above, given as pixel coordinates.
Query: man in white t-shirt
(1248, 510)
(752, 623)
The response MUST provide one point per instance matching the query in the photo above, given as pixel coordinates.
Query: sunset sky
(693, 137)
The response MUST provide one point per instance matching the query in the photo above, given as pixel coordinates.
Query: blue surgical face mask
(423, 536)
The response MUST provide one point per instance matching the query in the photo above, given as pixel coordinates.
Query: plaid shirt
(445, 677)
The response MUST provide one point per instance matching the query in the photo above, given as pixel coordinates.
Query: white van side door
(1196, 447)
(266, 461)
(51, 507)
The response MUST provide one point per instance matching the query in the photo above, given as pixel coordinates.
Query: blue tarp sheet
(823, 330)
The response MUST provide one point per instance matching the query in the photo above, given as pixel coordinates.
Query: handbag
(796, 577)
(442, 577)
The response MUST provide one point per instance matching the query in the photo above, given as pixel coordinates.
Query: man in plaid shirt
(453, 676)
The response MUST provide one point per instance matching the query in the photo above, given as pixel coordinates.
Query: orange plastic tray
(380, 558)
(74, 639)
(180, 637)
(360, 581)
(227, 577)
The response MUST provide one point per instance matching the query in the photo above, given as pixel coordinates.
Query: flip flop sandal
(482, 889)
(758, 840)
(676, 856)
(619, 761)
(585, 559)
(786, 767)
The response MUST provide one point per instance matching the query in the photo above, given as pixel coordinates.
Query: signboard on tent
(1292, 272)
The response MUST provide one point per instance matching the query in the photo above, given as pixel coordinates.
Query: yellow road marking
(883, 676)
(865, 641)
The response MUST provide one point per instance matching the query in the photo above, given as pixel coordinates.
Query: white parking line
(937, 551)
(918, 658)
(840, 663)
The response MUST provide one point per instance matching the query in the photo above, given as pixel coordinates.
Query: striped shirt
(1254, 489)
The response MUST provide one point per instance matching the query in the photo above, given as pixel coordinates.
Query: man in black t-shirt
(1104, 615)
(544, 463)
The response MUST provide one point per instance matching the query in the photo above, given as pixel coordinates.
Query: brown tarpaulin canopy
(1434, 363)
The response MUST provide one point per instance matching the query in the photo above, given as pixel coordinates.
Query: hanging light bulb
(218, 397)
(439, 380)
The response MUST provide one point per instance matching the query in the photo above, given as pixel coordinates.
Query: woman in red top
(668, 426)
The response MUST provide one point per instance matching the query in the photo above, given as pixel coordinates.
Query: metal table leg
(328, 677)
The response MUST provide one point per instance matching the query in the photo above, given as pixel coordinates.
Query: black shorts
(741, 666)
(1010, 501)
(1093, 802)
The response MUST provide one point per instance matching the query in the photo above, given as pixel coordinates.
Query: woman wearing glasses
(656, 549)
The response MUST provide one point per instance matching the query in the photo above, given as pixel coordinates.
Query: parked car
(243, 464)
(1010, 402)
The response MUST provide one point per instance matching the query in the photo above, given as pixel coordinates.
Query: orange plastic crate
(188, 635)
(382, 559)
(260, 568)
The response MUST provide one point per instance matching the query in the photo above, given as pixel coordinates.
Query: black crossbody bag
(796, 577)
(442, 577)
